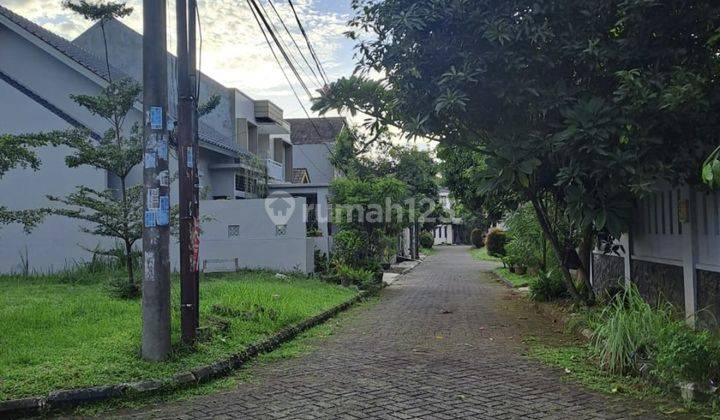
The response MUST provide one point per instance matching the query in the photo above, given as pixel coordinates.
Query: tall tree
(581, 103)
(115, 212)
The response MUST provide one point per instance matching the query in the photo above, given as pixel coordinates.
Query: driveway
(443, 342)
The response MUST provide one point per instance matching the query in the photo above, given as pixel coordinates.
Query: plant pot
(520, 270)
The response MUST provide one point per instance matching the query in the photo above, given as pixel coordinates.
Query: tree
(113, 212)
(578, 105)
(17, 151)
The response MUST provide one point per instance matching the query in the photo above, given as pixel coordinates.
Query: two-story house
(40, 70)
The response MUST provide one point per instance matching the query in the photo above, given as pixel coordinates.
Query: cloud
(234, 50)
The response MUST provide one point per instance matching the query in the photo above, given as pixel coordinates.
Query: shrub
(349, 247)
(495, 242)
(427, 240)
(548, 286)
(363, 279)
(477, 237)
(526, 242)
(626, 331)
(321, 262)
(120, 288)
(682, 354)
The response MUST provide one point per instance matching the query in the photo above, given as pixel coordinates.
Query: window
(240, 181)
(233, 231)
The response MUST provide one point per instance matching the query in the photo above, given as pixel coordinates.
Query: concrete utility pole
(195, 82)
(156, 232)
(186, 162)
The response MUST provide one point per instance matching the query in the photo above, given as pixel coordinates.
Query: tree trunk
(552, 237)
(129, 263)
(585, 253)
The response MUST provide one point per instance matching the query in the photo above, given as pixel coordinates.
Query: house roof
(315, 130)
(98, 67)
(300, 176)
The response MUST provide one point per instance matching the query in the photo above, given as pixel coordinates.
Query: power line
(309, 44)
(282, 69)
(292, 38)
(269, 28)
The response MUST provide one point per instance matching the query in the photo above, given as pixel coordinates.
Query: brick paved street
(443, 342)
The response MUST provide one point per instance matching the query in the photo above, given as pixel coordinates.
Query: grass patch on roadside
(301, 345)
(60, 335)
(480, 254)
(516, 279)
(577, 362)
(428, 251)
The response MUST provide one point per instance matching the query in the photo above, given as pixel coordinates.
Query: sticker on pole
(195, 261)
(150, 219)
(153, 198)
(189, 155)
(150, 161)
(156, 118)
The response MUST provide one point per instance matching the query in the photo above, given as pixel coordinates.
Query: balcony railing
(276, 170)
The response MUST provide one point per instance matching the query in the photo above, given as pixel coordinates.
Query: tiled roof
(99, 68)
(300, 176)
(315, 130)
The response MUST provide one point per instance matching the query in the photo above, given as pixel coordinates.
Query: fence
(673, 248)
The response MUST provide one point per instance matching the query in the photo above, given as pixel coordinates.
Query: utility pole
(156, 186)
(195, 82)
(186, 162)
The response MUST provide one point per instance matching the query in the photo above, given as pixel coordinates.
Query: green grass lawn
(516, 279)
(60, 336)
(480, 254)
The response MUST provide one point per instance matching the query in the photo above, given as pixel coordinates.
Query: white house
(40, 70)
(448, 233)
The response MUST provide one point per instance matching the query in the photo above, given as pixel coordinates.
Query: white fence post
(690, 250)
(626, 243)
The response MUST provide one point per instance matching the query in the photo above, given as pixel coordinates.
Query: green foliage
(526, 245)
(682, 354)
(587, 103)
(495, 242)
(548, 286)
(73, 335)
(350, 247)
(115, 212)
(427, 240)
(363, 279)
(17, 151)
(627, 330)
(103, 11)
(209, 105)
(711, 170)
(477, 237)
(365, 220)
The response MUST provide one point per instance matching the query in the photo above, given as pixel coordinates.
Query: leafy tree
(576, 105)
(113, 212)
(364, 218)
(102, 13)
(17, 151)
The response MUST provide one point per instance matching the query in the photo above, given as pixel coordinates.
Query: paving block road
(443, 342)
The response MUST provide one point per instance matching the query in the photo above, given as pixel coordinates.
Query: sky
(234, 51)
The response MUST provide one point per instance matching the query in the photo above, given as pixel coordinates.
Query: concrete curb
(64, 399)
(502, 279)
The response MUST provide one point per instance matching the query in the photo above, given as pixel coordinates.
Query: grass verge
(428, 251)
(516, 279)
(62, 336)
(301, 345)
(480, 254)
(579, 365)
